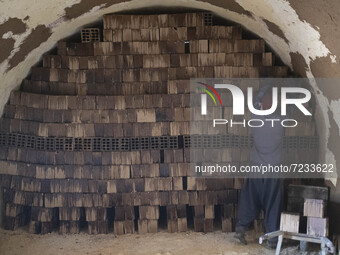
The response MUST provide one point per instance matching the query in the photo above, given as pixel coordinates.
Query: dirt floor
(163, 243)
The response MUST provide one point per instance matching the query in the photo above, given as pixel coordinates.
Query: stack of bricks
(315, 211)
(306, 210)
(99, 135)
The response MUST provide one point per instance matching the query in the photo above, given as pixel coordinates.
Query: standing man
(262, 193)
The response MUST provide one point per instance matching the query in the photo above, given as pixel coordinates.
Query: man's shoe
(241, 238)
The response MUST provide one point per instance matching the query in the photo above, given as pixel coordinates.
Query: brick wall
(99, 134)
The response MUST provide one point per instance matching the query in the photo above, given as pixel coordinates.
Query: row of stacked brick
(133, 115)
(99, 136)
(123, 219)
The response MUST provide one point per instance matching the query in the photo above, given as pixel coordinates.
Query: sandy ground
(163, 243)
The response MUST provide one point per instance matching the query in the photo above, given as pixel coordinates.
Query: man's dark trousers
(257, 194)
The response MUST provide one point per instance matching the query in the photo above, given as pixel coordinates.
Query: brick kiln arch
(99, 133)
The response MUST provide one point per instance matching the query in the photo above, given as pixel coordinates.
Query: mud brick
(227, 225)
(92, 227)
(152, 226)
(119, 213)
(5, 181)
(129, 227)
(30, 185)
(191, 183)
(10, 223)
(181, 211)
(73, 227)
(55, 186)
(249, 46)
(130, 75)
(102, 187)
(191, 33)
(146, 157)
(46, 60)
(164, 170)
(103, 227)
(69, 214)
(136, 171)
(8, 195)
(107, 48)
(127, 35)
(183, 197)
(199, 211)
(208, 225)
(145, 198)
(129, 213)
(16, 182)
(177, 183)
(290, 222)
(118, 227)
(34, 227)
(87, 200)
(142, 226)
(169, 156)
(46, 214)
(177, 20)
(295, 204)
(312, 192)
(207, 197)
(164, 198)
(228, 211)
(47, 227)
(149, 212)
(19, 198)
(126, 198)
(151, 170)
(317, 226)
(173, 197)
(136, 199)
(173, 34)
(85, 49)
(117, 35)
(61, 46)
(174, 60)
(183, 169)
(156, 61)
(172, 47)
(13, 210)
(172, 225)
(199, 224)
(182, 225)
(38, 199)
(219, 183)
(107, 200)
(164, 184)
(92, 186)
(139, 185)
(151, 184)
(209, 211)
(314, 208)
(68, 227)
(124, 186)
(171, 212)
(178, 155)
(123, 172)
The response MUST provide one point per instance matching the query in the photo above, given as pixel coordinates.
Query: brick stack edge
(93, 136)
